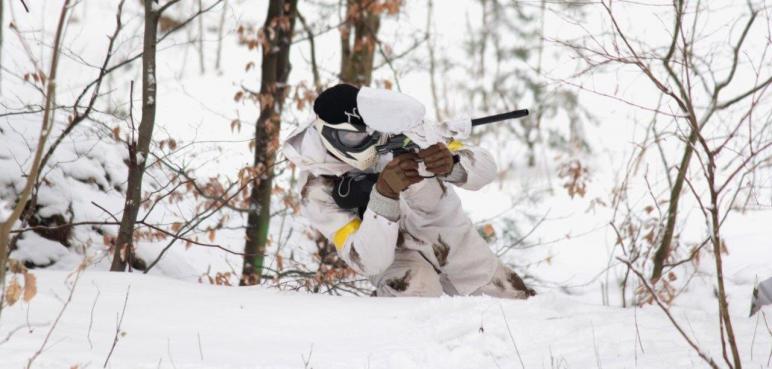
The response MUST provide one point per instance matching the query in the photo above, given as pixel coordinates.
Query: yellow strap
(455, 145)
(340, 237)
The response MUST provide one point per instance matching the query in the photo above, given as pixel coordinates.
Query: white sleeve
(367, 245)
(475, 169)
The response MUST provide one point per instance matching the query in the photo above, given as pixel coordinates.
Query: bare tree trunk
(138, 151)
(2, 26)
(312, 47)
(278, 29)
(220, 30)
(356, 65)
(666, 244)
(723, 305)
(438, 116)
(45, 129)
(531, 136)
(201, 38)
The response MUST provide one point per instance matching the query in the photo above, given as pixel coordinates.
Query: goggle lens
(353, 138)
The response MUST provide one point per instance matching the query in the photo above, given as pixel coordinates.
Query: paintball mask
(350, 142)
(348, 118)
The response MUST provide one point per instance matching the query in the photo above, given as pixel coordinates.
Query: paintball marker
(425, 134)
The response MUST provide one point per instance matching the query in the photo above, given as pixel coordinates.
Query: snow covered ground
(175, 324)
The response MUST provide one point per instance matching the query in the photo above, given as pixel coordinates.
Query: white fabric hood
(389, 111)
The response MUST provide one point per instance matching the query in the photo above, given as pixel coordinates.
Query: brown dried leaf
(488, 230)
(17, 267)
(649, 237)
(107, 240)
(236, 125)
(30, 286)
(13, 292)
(279, 262)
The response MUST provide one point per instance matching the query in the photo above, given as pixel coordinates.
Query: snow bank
(174, 324)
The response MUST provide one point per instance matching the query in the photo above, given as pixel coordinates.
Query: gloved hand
(437, 158)
(401, 172)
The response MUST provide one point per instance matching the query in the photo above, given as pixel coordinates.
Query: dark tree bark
(278, 32)
(138, 150)
(666, 245)
(356, 61)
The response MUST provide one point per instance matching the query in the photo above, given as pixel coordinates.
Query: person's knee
(506, 284)
(411, 282)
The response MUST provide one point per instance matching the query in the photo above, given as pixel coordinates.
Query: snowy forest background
(636, 198)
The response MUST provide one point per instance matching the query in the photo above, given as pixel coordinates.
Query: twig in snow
(107, 212)
(307, 361)
(637, 334)
(91, 318)
(118, 327)
(555, 363)
(511, 337)
(200, 350)
(769, 359)
(80, 269)
(595, 347)
(169, 352)
(665, 309)
(27, 319)
(13, 331)
(755, 328)
(691, 328)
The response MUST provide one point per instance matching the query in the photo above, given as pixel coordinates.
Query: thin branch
(665, 309)
(118, 327)
(37, 353)
(742, 96)
(312, 46)
(167, 5)
(163, 37)
(79, 117)
(91, 317)
(511, 337)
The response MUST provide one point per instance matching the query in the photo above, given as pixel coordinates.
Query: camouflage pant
(412, 275)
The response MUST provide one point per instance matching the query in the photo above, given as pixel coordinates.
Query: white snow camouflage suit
(422, 244)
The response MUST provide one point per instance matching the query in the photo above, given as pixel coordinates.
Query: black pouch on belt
(352, 190)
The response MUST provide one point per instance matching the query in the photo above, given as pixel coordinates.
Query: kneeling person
(406, 232)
